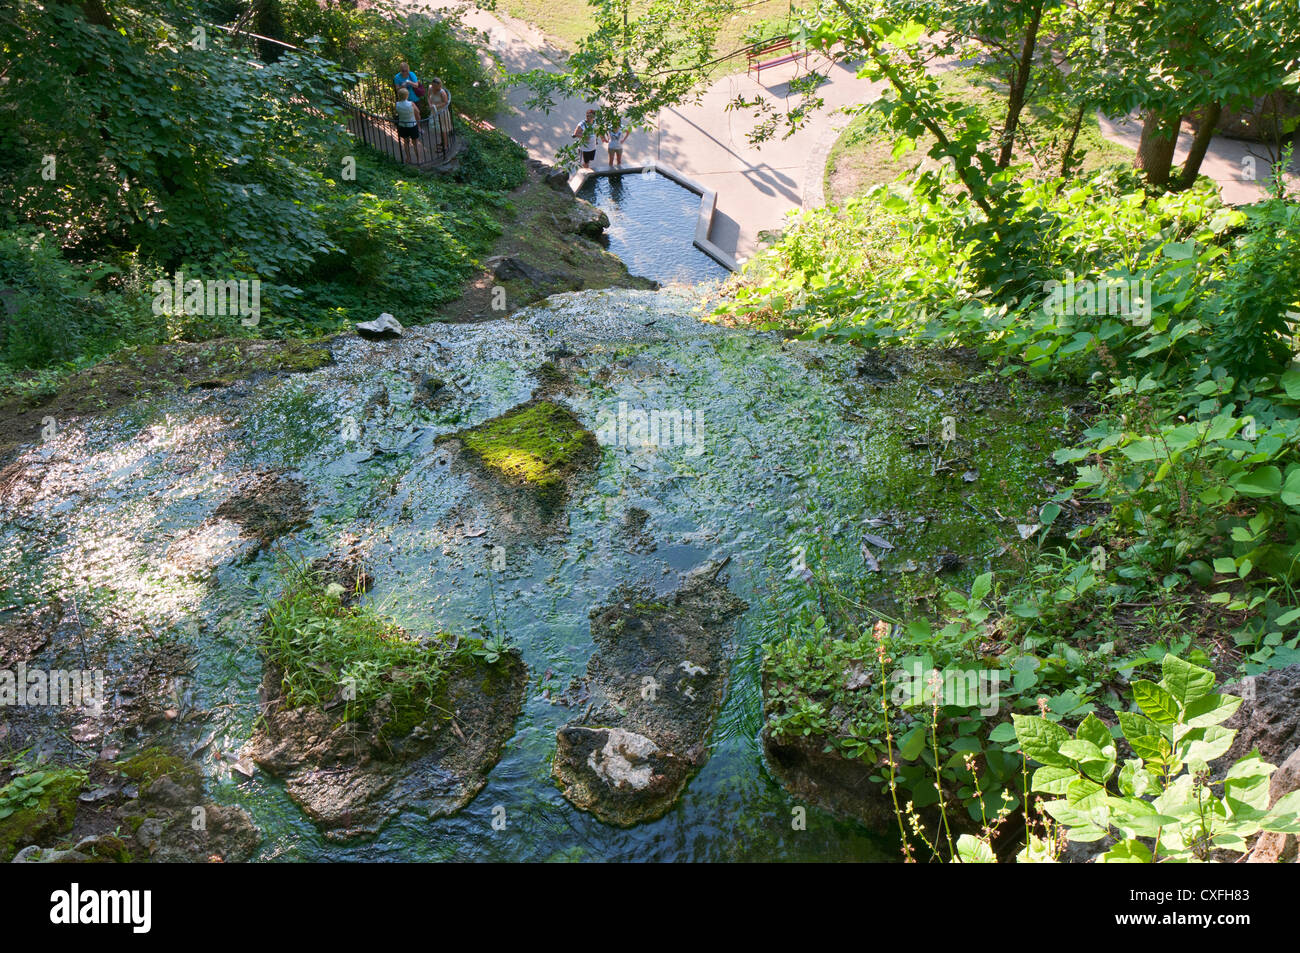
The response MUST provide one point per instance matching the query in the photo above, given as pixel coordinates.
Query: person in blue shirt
(408, 81)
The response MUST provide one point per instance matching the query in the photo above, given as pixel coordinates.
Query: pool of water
(652, 226)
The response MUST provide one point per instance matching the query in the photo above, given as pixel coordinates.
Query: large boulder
(656, 683)
(1269, 717)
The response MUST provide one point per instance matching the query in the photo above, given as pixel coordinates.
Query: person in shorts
(615, 142)
(408, 123)
(586, 136)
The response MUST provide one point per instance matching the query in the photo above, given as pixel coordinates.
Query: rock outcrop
(656, 682)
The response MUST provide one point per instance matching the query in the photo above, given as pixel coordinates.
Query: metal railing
(369, 112)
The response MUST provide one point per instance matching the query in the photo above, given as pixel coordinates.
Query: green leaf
(1199, 746)
(1127, 852)
(1185, 681)
(1003, 733)
(1212, 709)
(1093, 729)
(912, 743)
(1266, 481)
(1144, 736)
(1284, 816)
(1041, 740)
(1053, 779)
(973, 850)
(1156, 703)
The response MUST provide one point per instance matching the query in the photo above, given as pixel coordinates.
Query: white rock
(615, 764)
(384, 326)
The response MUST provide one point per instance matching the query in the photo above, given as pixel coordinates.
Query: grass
(863, 155)
(328, 652)
(568, 21)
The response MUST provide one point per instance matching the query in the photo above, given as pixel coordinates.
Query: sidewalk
(756, 186)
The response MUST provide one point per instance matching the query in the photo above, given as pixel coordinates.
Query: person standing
(615, 142)
(408, 124)
(585, 134)
(440, 112)
(408, 81)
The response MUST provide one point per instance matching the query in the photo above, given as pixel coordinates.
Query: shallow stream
(794, 446)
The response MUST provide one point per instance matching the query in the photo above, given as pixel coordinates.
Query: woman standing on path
(615, 140)
(408, 124)
(440, 113)
(586, 136)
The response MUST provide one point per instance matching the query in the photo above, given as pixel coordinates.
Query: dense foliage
(178, 151)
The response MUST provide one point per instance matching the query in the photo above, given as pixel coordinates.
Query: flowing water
(125, 508)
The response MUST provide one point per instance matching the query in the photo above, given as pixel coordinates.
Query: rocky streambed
(597, 508)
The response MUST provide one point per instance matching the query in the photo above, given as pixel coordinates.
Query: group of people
(418, 105)
(586, 135)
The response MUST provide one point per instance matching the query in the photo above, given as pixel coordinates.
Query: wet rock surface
(352, 778)
(656, 682)
(150, 807)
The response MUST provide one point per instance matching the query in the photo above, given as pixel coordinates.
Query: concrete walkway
(756, 186)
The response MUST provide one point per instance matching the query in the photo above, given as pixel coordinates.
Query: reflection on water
(652, 226)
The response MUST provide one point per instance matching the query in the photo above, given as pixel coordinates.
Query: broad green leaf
(1212, 709)
(1156, 703)
(1093, 729)
(1185, 681)
(1266, 481)
(973, 850)
(1053, 779)
(1144, 736)
(1041, 740)
(1284, 816)
(1127, 852)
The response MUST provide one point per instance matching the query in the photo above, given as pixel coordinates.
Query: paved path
(756, 187)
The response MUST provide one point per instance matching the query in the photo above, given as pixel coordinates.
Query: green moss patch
(538, 445)
(36, 806)
(154, 763)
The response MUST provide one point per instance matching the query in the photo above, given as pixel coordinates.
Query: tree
(1168, 60)
(640, 58)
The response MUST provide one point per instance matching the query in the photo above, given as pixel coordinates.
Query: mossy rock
(52, 815)
(537, 447)
(154, 763)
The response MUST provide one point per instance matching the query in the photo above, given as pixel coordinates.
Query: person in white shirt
(408, 123)
(615, 141)
(586, 136)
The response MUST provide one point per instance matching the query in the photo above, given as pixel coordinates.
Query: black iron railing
(369, 112)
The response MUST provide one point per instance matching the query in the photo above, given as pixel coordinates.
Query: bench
(764, 55)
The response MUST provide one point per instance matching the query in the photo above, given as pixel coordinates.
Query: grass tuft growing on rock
(329, 652)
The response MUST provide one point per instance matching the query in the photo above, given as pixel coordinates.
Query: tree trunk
(1019, 84)
(1204, 133)
(1068, 155)
(1155, 155)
